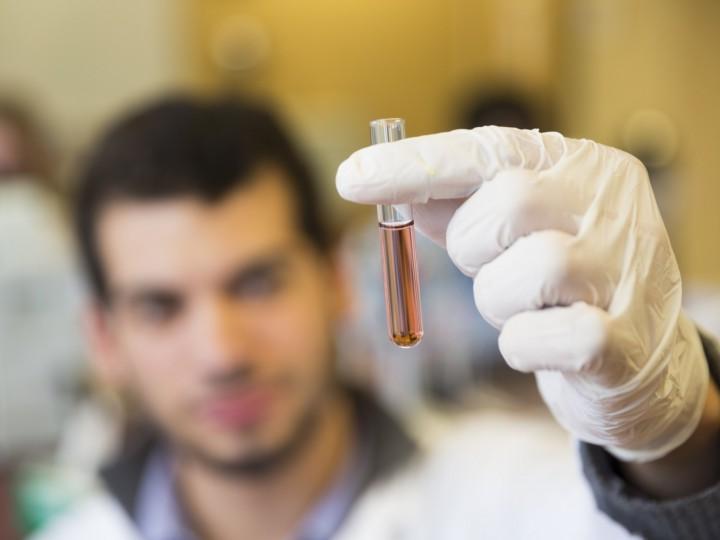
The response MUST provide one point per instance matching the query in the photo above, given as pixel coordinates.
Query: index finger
(448, 165)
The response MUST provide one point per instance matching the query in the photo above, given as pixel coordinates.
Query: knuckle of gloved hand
(630, 161)
(628, 169)
(551, 253)
(593, 331)
(510, 146)
(466, 242)
(459, 249)
(507, 350)
(501, 211)
(517, 200)
(485, 295)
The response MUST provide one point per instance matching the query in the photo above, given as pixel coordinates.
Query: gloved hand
(571, 260)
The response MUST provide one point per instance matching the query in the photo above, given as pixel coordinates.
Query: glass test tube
(399, 263)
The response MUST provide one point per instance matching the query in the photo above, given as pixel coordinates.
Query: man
(216, 299)
(215, 304)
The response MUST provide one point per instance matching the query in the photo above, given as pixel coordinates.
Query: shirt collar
(141, 478)
(160, 516)
(158, 512)
(326, 517)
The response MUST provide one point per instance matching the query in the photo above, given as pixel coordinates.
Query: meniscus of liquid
(399, 262)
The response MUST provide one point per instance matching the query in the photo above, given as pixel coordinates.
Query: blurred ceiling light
(239, 43)
(652, 136)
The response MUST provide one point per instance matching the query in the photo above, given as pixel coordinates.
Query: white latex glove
(571, 260)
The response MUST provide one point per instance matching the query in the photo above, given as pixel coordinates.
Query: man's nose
(220, 336)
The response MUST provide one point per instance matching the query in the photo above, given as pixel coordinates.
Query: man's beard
(261, 463)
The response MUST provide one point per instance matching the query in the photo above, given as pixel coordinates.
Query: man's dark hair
(184, 146)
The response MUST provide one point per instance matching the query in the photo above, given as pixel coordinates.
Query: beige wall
(622, 56)
(80, 61)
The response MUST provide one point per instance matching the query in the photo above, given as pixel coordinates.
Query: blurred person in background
(24, 150)
(216, 301)
(41, 350)
(503, 104)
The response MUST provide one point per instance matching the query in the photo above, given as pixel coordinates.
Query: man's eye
(257, 285)
(158, 310)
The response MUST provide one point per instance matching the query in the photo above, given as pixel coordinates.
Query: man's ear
(105, 358)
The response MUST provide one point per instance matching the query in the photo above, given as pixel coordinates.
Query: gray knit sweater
(696, 517)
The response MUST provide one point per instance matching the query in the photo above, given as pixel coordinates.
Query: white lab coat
(492, 476)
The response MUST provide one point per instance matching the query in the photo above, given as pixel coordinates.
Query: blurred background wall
(641, 74)
(78, 62)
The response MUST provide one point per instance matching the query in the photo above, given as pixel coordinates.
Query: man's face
(221, 318)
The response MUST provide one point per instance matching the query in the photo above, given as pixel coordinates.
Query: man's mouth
(241, 409)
